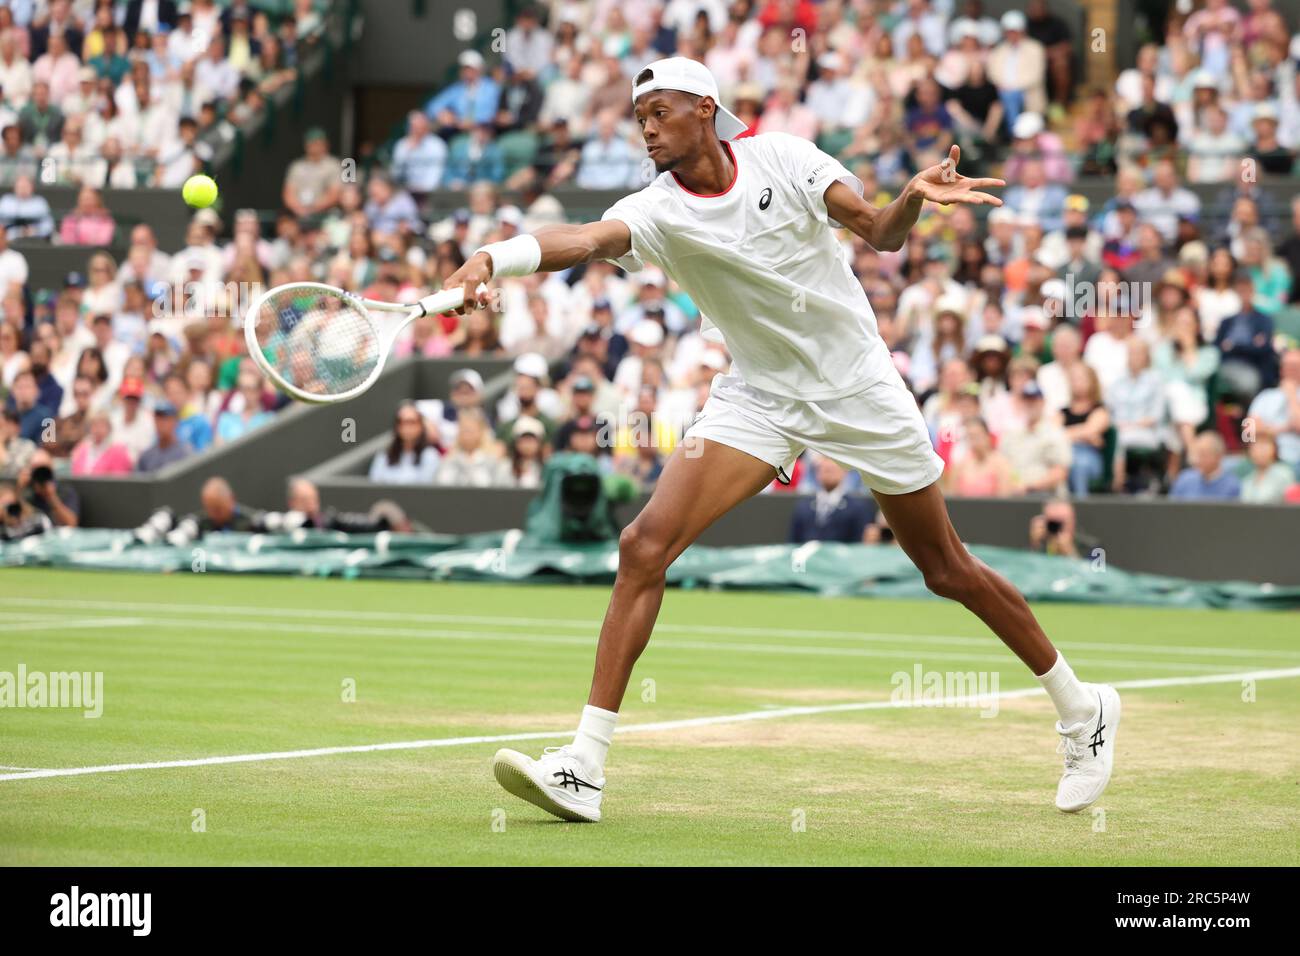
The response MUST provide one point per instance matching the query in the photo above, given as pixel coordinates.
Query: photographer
(1056, 532)
(36, 484)
(18, 520)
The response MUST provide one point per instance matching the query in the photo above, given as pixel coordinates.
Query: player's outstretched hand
(942, 183)
(473, 277)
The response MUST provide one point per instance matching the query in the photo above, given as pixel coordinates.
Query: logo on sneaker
(1097, 739)
(568, 777)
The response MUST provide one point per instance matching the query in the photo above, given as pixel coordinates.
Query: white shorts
(878, 431)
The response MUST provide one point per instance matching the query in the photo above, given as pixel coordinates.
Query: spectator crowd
(1128, 322)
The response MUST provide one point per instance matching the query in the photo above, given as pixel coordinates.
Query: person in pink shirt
(58, 66)
(89, 223)
(785, 114)
(97, 453)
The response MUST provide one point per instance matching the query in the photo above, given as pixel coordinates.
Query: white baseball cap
(688, 76)
(1013, 21)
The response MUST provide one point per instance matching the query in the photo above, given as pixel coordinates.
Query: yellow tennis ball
(199, 191)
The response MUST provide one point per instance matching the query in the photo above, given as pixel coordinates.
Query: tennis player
(747, 229)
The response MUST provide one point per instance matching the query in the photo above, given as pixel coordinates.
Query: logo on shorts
(765, 199)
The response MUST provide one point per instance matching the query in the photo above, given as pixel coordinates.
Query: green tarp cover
(821, 568)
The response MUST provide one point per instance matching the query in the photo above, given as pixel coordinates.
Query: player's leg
(1089, 713)
(923, 529)
(700, 483)
(702, 480)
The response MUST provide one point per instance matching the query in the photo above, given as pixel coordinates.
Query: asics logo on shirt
(765, 199)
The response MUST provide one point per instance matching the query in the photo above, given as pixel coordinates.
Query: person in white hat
(747, 228)
(1018, 68)
(470, 101)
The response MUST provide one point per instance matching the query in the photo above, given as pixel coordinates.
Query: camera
(1054, 526)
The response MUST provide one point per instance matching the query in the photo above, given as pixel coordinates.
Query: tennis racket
(322, 345)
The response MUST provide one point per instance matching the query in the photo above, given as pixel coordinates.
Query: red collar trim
(735, 176)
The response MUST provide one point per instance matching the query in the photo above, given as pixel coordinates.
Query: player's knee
(641, 551)
(956, 580)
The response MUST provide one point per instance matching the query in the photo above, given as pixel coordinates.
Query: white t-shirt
(762, 263)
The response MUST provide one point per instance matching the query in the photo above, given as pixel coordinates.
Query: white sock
(595, 731)
(1073, 702)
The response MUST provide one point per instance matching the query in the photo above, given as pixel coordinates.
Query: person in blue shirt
(24, 398)
(831, 514)
(1247, 360)
(470, 101)
(474, 158)
(1206, 478)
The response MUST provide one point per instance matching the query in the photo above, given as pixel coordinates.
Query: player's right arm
(551, 249)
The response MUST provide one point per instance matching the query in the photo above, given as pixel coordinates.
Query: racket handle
(445, 301)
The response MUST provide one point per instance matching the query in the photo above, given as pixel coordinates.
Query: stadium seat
(519, 149)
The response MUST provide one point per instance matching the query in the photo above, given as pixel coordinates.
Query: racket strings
(319, 341)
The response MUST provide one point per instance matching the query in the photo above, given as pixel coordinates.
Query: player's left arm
(886, 228)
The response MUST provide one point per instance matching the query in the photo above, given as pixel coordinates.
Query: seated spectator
(40, 121)
(233, 424)
(15, 450)
(389, 210)
(99, 453)
(192, 425)
(1086, 422)
(1034, 197)
(57, 68)
(1275, 412)
(1247, 361)
(1056, 531)
(1018, 67)
(1136, 402)
(25, 215)
(1165, 202)
(71, 428)
(409, 459)
(1186, 364)
(467, 103)
(1038, 454)
(608, 160)
(1268, 479)
(420, 157)
(832, 514)
(182, 154)
(475, 157)
(89, 223)
(312, 183)
(35, 420)
(1267, 150)
(1206, 478)
(168, 448)
(133, 426)
(48, 390)
(983, 472)
(1214, 151)
(1031, 143)
(473, 460)
(526, 452)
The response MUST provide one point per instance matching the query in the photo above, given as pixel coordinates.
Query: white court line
(533, 622)
(47, 624)
(228, 624)
(773, 714)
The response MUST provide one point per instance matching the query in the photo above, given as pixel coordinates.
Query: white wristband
(519, 256)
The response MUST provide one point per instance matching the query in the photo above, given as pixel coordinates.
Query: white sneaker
(1089, 749)
(559, 782)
